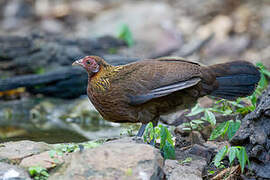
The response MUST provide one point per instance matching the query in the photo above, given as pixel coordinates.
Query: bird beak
(78, 62)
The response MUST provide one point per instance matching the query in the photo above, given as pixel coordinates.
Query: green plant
(38, 173)
(60, 149)
(40, 70)
(197, 124)
(125, 34)
(166, 139)
(228, 128)
(129, 131)
(232, 152)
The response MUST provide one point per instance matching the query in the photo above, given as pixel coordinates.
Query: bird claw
(137, 139)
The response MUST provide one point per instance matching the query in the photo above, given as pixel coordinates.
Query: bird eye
(88, 62)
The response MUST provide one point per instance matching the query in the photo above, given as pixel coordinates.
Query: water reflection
(53, 120)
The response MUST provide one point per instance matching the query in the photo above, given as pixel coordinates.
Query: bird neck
(101, 81)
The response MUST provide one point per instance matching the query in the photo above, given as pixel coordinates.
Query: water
(54, 121)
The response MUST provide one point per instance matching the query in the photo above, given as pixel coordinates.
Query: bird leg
(141, 130)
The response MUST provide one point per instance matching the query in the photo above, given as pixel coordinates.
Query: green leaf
(38, 172)
(197, 121)
(163, 136)
(237, 104)
(169, 152)
(210, 117)
(195, 110)
(227, 112)
(242, 158)
(262, 83)
(233, 151)
(149, 130)
(220, 155)
(186, 129)
(169, 137)
(233, 128)
(157, 132)
(253, 98)
(211, 172)
(221, 129)
(125, 34)
(265, 72)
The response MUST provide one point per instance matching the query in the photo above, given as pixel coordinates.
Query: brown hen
(145, 90)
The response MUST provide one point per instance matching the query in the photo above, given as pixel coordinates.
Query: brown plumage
(144, 90)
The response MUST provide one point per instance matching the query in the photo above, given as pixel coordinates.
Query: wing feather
(163, 91)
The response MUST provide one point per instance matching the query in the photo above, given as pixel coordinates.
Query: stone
(43, 159)
(184, 171)
(16, 151)
(12, 172)
(113, 161)
(196, 138)
(159, 24)
(254, 135)
(232, 47)
(201, 151)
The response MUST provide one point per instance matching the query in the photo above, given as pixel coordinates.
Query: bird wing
(162, 91)
(160, 77)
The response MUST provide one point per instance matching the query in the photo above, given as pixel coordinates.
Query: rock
(196, 138)
(43, 159)
(232, 47)
(221, 25)
(254, 134)
(159, 24)
(12, 172)
(114, 161)
(16, 151)
(186, 171)
(128, 140)
(201, 151)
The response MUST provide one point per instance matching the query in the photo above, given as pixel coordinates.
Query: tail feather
(235, 79)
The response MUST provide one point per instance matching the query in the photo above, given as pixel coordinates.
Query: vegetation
(38, 173)
(225, 130)
(125, 34)
(60, 149)
(164, 135)
(230, 127)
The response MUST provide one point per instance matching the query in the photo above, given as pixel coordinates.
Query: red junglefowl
(146, 89)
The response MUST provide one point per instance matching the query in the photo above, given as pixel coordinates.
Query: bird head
(89, 63)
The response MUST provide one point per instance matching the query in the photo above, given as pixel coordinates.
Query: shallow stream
(54, 121)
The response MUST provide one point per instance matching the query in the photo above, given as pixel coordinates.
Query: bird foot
(137, 139)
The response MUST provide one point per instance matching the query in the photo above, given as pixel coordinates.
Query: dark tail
(235, 79)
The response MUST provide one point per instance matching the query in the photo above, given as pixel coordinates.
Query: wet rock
(12, 172)
(191, 170)
(16, 151)
(254, 134)
(114, 161)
